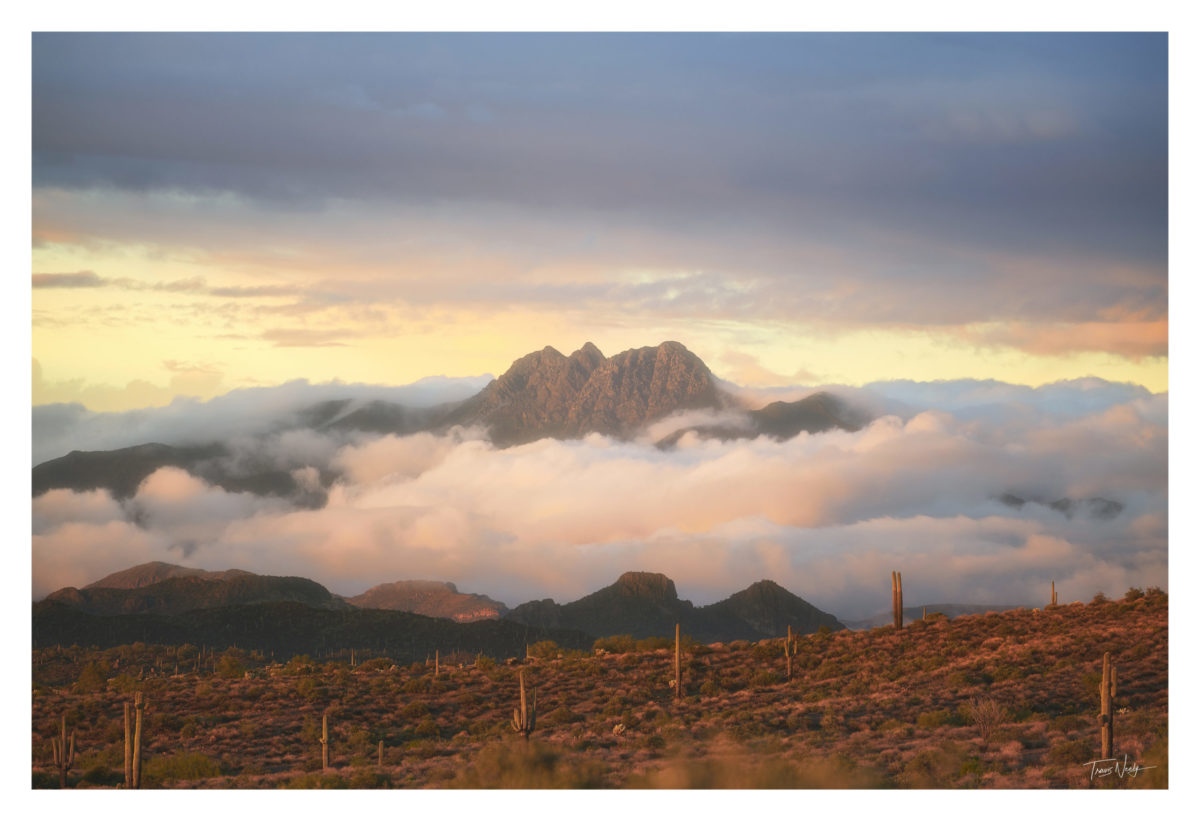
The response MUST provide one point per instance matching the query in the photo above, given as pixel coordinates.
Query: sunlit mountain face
(523, 313)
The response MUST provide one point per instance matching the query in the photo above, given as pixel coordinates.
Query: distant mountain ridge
(640, 604)
(644, 604)
(181, 594)
(438, 599)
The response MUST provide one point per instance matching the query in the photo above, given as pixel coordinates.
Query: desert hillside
(1006, 700)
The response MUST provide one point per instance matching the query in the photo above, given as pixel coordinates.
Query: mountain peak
(545, 394)
(643, 585)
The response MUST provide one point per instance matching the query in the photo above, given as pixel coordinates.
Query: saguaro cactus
(325, 740)
(381, 753)
(64, 757)
(788, 652)
(1108, 691)
(133, 761)
(1053, 595)
(128, 749)
(678, 666)
(897, 600)
(525, 721)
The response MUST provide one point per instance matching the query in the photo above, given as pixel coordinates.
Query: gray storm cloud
(827, 515)
(943, 178)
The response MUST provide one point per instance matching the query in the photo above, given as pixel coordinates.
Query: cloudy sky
(967, 233)
(213, 212)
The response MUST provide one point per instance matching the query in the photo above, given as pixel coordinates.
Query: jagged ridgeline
(543, 394)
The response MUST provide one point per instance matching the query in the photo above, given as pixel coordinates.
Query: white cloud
(828, 515)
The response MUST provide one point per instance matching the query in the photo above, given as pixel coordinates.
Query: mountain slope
(437, 599)
(291, 628)
(180, 594)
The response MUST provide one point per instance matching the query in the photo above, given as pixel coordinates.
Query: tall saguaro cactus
(325, 740)
(678, 666)
(64, 757)
(133, 746)
(128, 749)
(1053, 595)
(525, 720)
(1108, 691)
(897, 600)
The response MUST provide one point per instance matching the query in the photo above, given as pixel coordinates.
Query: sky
(221, 211)
(965, 233)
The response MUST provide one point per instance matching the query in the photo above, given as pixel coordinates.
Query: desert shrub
(230, 665)
(1070, 723)
(179, 767)
(1100, 598)
(616, 644)
(369, 780)
(414, 709)
(767, 650)
(739, 773)
(485, 663)
(546, 649)
(710, 687)
(533, 766)
(420, 684)
(102, 776)
(1133, 594)
(91, 679)
(764, 678)
(427, 728)
(1071, 753)
(316, 781)
(986, 714)
(376, 664)
(937, 718)
(312, 690)
(300, 664)
(934, 767)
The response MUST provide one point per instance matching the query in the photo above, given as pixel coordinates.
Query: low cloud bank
(61, 428)
(828, 516)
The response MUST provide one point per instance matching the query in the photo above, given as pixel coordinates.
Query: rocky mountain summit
(546, 394)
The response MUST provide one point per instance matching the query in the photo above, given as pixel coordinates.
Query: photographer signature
(1105, 767)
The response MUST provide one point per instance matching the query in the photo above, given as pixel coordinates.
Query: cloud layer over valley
(978, 492)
